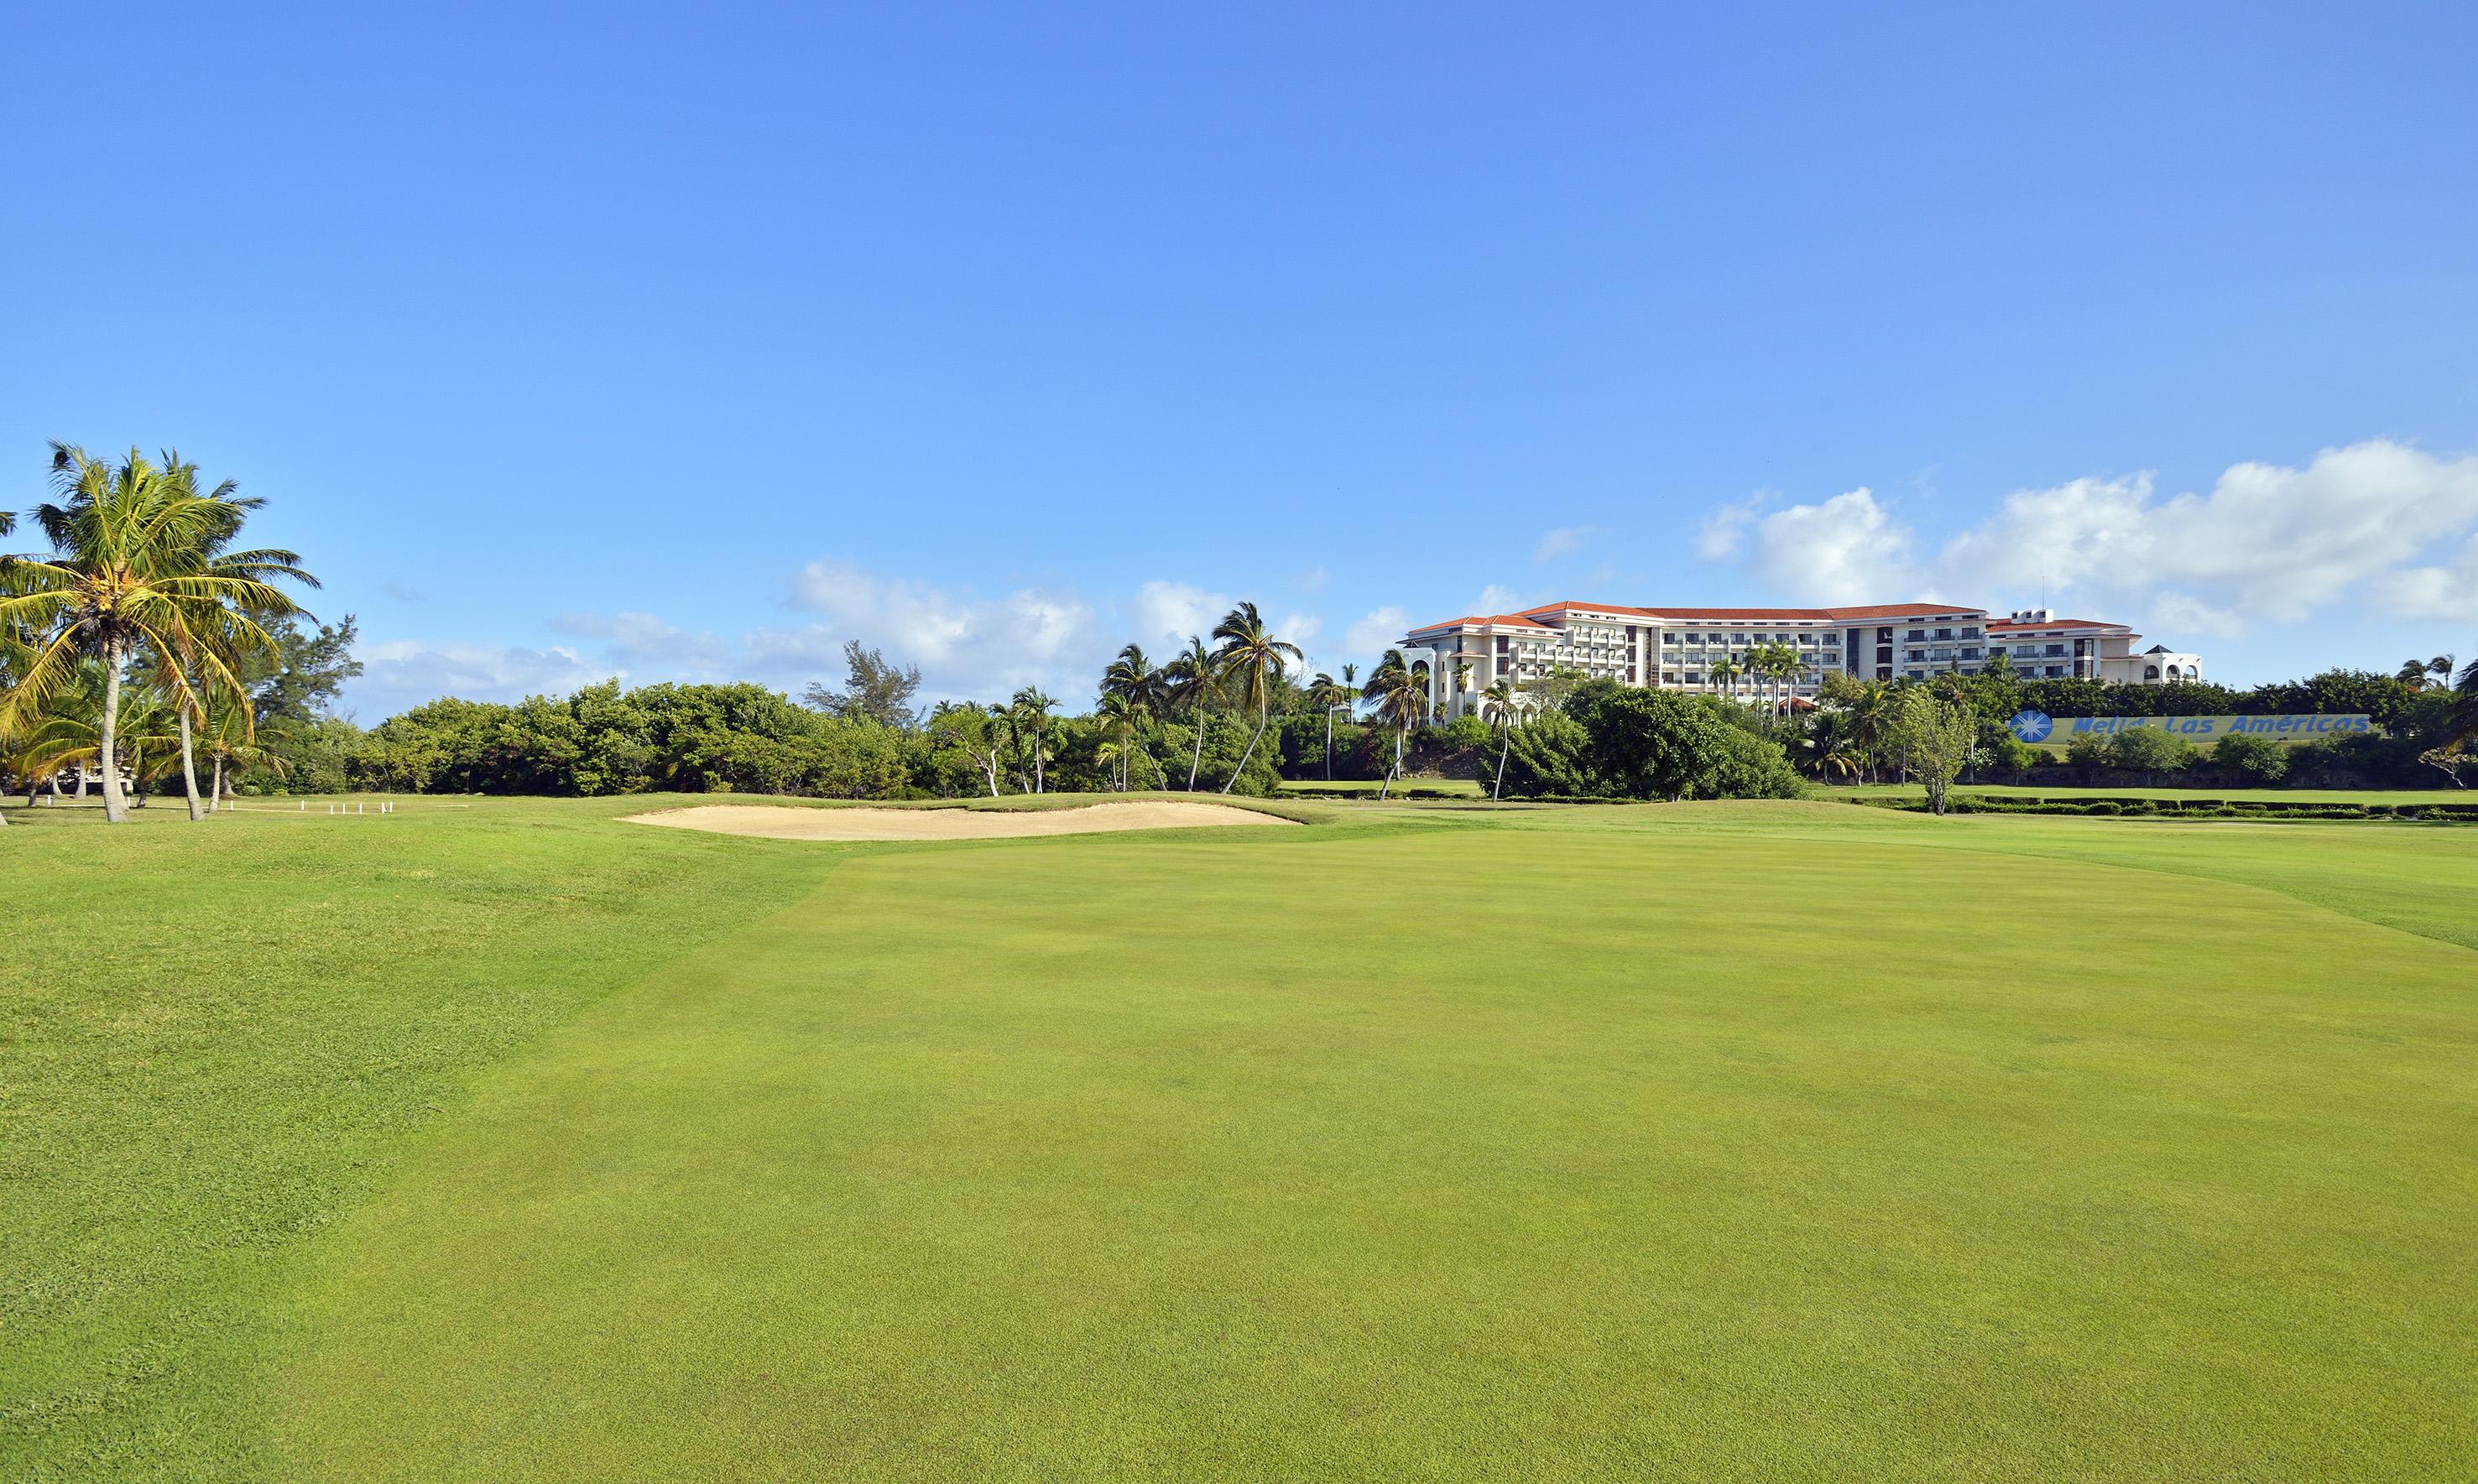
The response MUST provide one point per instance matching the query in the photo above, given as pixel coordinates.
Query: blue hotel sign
(2034, 727)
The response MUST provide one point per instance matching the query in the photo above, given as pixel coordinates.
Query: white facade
(1696, 649)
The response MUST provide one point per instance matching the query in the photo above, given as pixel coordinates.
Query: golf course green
(1734, 1141)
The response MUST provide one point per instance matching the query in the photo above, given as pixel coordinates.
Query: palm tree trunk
(1248, 752)
(1197, 760)
(116, 807)
(1395, 772)
(217, 797)
(189, 764)
(1328, 745)
(1505, 742)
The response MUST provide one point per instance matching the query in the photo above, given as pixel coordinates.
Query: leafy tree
(1934, 738)
(2253, 758)
(1549, 757)
(971, 730)
(1250, 660)
(874, 690)
(1550, 691)
(300, 680)
(1662, 745)
(2149, 751)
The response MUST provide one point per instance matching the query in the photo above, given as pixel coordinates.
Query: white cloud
(1313, 580)
(1563, 541)
(1376, 631)
(1848, 549)
(1723, 530)
(1168, 613)
(1301, 629)
(404, 671)
(964, 645)
(2448, 592)
(2268, 543)
(1497, 599)
(640, 642)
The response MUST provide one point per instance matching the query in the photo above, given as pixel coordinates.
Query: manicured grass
(1711, 1141)
(2264, 796)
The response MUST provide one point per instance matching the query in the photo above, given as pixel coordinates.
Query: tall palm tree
(139, 566)
(211, 667)
(1399, 693)
(1326, 693)
(1496, 704)
(1192, 680)
(1133, 679)
(1117, 721)
(1871, 721)
(1032, 712)
(1250, 661)
(1725, 674)
(2412, 673)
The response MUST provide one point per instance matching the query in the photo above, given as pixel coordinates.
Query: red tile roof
(1512, 620)
(1773, 615)
(2011, 627)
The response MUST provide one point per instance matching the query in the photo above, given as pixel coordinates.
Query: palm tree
(1250, 661)
(1117, 721)
(214, 664)
(1496, 704)
(1725, 674)
(1031, 711)
(229, 734)
(71, 735)
(139, 566)
(1324, 693)
(2460, 723)
(1192, 679)
(1134, 679)
(1399, 693)
(1871, 721)
(1831, 745)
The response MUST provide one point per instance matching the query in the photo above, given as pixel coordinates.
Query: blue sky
(689, 341)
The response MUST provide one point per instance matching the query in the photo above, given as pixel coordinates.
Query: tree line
(148, 642)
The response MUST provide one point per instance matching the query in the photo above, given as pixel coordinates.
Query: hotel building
(1675, 649)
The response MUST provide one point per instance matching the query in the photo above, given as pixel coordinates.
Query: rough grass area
(1723, 1142)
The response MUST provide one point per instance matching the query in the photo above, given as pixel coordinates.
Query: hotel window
(1970, 633)
(1944, 632)
(1916, 634)
(1970, 651)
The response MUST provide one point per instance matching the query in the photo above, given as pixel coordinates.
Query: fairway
(1727, 1142)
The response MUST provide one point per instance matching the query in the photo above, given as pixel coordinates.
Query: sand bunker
(775, 822)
